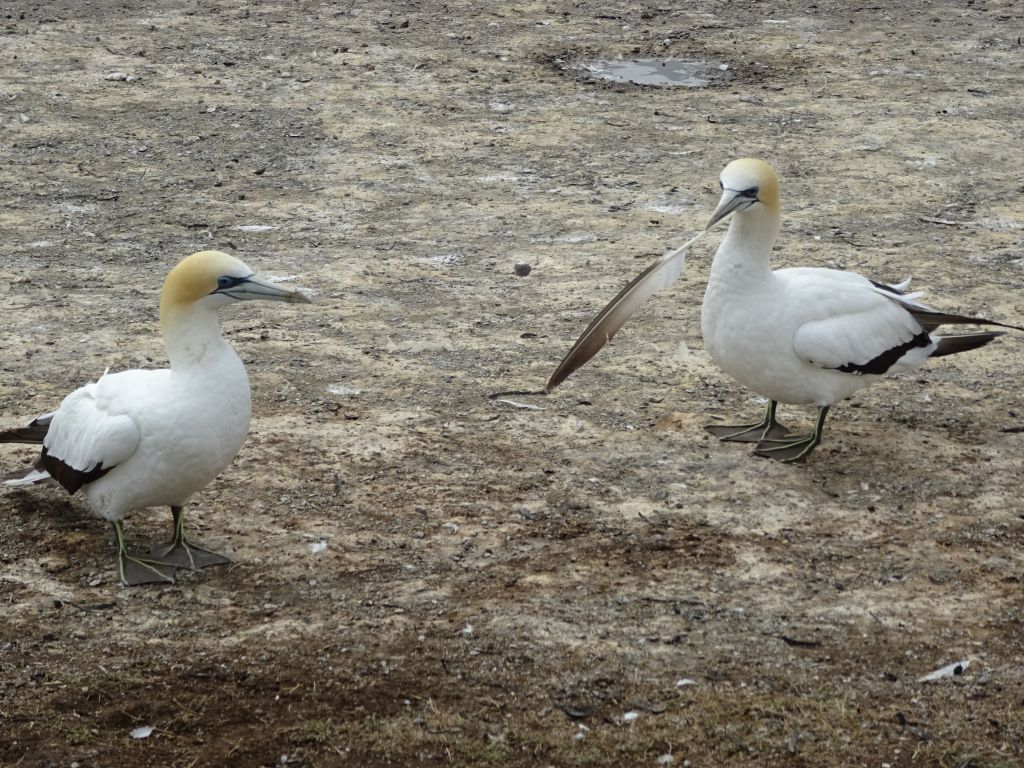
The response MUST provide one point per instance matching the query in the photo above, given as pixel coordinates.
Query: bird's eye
(226, 281)
(751, 193)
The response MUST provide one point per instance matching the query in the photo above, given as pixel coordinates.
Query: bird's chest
(743, 326)
(199, 427)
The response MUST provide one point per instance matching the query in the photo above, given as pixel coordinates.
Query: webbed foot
(182, 552)
(747, 433)
(135, 570)
(793, 448)
(797, 448)
(766, 429)
(185, 554)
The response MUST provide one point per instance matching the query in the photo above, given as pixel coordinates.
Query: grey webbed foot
(747, 433)
(766, 429)
(185, 554)
(136, 569)
(797, 448)
(793, 448)
(182, 552)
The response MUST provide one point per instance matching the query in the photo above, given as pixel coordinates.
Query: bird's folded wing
(869, 341)
(85, 441)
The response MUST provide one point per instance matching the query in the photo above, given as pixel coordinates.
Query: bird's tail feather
(931, 319)
(950, 345)
(33, 433)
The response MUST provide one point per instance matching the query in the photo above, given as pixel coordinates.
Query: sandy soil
(502, 585)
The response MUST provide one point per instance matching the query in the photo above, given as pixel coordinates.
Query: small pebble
(522, 268)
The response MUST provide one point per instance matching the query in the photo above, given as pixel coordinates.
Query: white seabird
(801, 336)
(146, 438)
(805, 336)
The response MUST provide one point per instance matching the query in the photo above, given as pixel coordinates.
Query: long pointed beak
(730, 203)
(257, 288)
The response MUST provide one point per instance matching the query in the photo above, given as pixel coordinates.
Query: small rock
(522, 268)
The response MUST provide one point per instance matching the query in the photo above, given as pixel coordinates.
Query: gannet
(805, 336)
(801, 336)
(147, 438)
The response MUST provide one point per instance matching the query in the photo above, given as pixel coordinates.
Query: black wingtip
(70, 478)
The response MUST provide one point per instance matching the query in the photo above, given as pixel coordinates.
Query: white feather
(34, 476)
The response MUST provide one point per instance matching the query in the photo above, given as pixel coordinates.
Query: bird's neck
(192, 336)
(745, 252)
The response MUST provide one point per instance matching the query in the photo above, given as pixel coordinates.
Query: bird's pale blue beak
(254, 288)
(731, 202)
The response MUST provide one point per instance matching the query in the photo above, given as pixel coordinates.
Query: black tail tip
(951, 345)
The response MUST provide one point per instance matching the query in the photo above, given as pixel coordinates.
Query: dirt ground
(593, 581)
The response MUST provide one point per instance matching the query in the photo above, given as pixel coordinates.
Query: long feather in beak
(602, 328)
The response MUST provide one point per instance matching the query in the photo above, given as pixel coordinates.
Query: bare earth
(502, 585)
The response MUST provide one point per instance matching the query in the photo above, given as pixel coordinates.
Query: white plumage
(804, 336)
(145, 438)
(788, 334)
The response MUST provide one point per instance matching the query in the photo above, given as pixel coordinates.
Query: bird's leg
(795, 447)
(766, 429)
(183, 552)
(139, 570)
